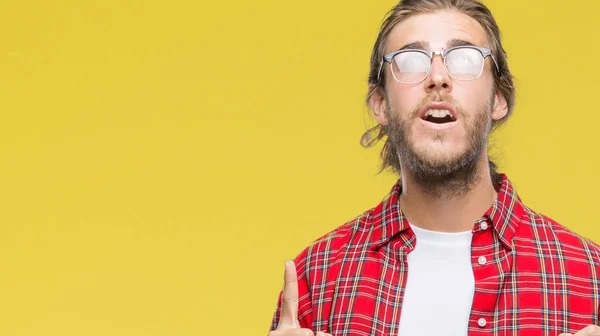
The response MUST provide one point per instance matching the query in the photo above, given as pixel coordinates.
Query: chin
(440, 157)
(439, 151)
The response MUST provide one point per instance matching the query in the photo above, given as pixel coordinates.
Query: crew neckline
(463, 237)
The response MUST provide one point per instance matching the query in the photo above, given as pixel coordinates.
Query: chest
(522, 291)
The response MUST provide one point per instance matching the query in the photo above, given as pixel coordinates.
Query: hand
(590, 330)
(288, 321)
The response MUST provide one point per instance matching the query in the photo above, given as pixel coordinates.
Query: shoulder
(549, 235)
(324, 254)
(334, 242)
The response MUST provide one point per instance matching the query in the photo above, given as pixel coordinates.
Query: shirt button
(482, 322)
(484, 226)
(482, 260)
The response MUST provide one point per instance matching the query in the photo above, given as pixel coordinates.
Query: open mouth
(438, 116)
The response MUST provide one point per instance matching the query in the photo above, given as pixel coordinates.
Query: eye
(411, 61)
(464, 61)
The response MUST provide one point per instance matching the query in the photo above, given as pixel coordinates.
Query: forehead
(436, 29)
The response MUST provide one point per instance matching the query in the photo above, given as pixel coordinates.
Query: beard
(447, 176)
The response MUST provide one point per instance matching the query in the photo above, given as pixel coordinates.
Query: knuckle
(306, 332)
(292, 332)
(290, 299)
(594, 330)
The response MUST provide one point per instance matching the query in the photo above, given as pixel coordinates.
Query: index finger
(289, 299)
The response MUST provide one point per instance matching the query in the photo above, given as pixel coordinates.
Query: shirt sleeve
(598, 313)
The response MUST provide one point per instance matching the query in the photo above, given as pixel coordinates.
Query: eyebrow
(425, 45)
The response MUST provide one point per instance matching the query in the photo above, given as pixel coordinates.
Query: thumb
(289, 299)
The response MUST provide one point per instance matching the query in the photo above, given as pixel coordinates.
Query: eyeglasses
(411, 66)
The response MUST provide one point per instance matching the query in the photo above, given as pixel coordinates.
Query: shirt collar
(387, 220)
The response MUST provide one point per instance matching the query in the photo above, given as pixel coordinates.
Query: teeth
(438, 113)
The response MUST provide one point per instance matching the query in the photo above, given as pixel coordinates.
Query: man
(451, 250)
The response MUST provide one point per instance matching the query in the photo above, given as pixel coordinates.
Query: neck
(455, 202)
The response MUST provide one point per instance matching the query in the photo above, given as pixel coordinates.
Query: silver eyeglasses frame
(485, 52)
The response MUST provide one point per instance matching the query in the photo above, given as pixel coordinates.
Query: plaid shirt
(532, 275)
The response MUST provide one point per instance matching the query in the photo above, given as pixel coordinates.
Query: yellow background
(160, 160)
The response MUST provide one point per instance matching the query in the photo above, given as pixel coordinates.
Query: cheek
(405, 99)
(473, 97)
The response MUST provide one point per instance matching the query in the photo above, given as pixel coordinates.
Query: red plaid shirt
(532, 275)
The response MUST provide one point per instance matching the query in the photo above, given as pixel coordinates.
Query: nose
(438, 79)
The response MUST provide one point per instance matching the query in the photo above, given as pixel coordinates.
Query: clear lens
(464, 63)
(410, 67)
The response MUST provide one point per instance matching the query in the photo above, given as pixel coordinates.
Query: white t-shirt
(440, 285)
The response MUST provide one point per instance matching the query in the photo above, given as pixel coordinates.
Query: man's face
(442, 148)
